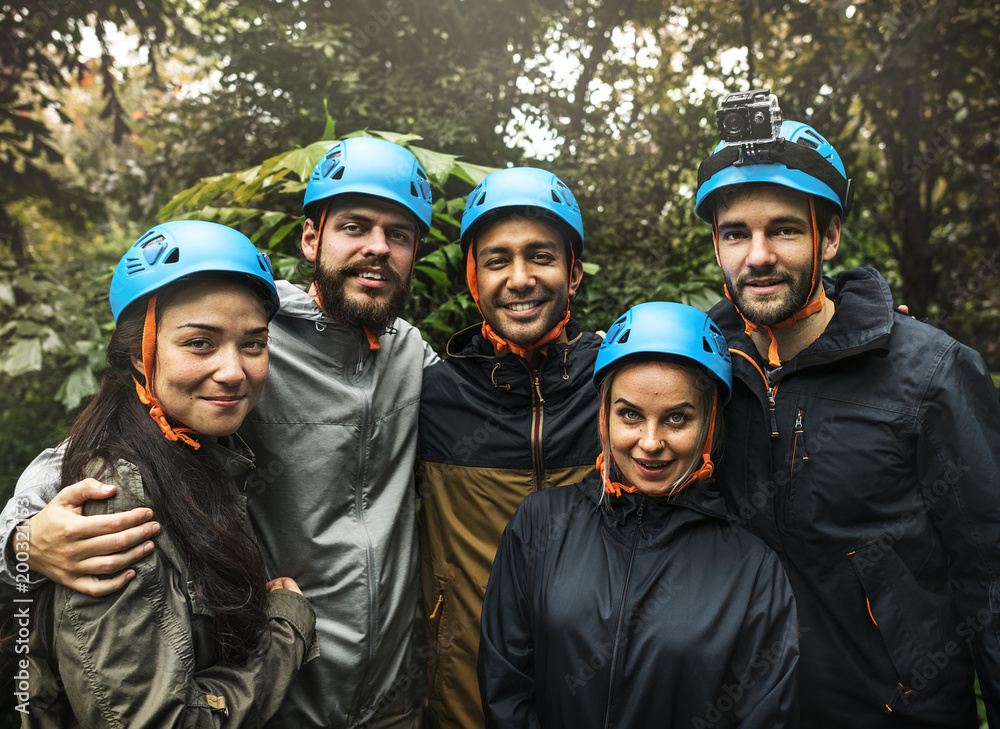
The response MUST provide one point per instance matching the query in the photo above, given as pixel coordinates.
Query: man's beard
(766, 313)
(367, 311)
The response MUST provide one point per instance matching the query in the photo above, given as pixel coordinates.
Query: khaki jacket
(143, 656)
(492, 431)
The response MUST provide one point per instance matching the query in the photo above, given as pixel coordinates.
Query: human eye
(678, 418)
(198, 344)
(628, 414)
(256, 345)
(400, 235)
(733, 235)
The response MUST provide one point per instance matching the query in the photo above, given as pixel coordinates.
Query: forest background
(117, 115)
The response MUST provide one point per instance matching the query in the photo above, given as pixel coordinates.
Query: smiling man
(334, 435)
(510, 411)
(863, 446)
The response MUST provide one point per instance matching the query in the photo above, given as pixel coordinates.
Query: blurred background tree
(113, 114)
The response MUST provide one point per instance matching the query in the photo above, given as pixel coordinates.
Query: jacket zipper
(537, 415)
(621, 615)
(365, 536)
(437, 634)
(799, 444)
(772, 392)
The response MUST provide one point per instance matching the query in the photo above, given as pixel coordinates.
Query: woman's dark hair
(187, 490)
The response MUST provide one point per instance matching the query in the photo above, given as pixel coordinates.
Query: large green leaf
(25, 355)
(80, 384)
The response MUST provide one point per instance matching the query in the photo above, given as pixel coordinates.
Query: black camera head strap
(793, 156)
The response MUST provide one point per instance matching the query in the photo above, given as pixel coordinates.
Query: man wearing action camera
(863, 446)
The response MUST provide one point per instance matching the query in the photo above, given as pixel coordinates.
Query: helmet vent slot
(339, 173)
(175, 255)
(624, 337)
(413, 190)
(707, 346)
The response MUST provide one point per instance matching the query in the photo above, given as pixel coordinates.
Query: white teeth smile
(522, 307)
(373, 276)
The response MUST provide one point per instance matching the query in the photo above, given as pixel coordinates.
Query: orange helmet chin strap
(703, 473)
(807, 310)
(499, 343)
(145, 392)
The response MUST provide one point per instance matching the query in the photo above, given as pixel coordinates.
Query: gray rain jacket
(332, 503)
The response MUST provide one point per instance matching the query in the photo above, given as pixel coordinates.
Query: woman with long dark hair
(629, 600)
(199, 637)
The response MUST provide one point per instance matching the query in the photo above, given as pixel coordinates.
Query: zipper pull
(800, 436)
(437, 606)
(773, 418)
(642, 508)
(538, 389)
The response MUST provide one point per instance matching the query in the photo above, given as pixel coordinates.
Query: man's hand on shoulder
(89, 554)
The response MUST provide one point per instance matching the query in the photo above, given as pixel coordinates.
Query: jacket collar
(662, 517)
(862, 322)
(232, 455)
(566, 367)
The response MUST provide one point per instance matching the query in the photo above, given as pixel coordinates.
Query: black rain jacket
(871, 463)
(653, 613)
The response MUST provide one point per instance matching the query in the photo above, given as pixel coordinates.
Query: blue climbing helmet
(800, 158)
(183, 249)
(667, 328)
(370, 166)
(526, 190)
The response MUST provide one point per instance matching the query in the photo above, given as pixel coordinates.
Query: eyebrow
(218, 330)
(359, 215)
(623, 401)
(783, 220)
(542, 244)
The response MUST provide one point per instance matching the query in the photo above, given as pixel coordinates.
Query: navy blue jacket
(653, 613)
(871, 463)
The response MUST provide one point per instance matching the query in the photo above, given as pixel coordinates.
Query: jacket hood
(296, 302)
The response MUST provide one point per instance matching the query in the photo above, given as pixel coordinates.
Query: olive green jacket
(143, 656)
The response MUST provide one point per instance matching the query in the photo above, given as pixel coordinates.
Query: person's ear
(136, 358)
(575, 277)
(831, 239)
(310, 241)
